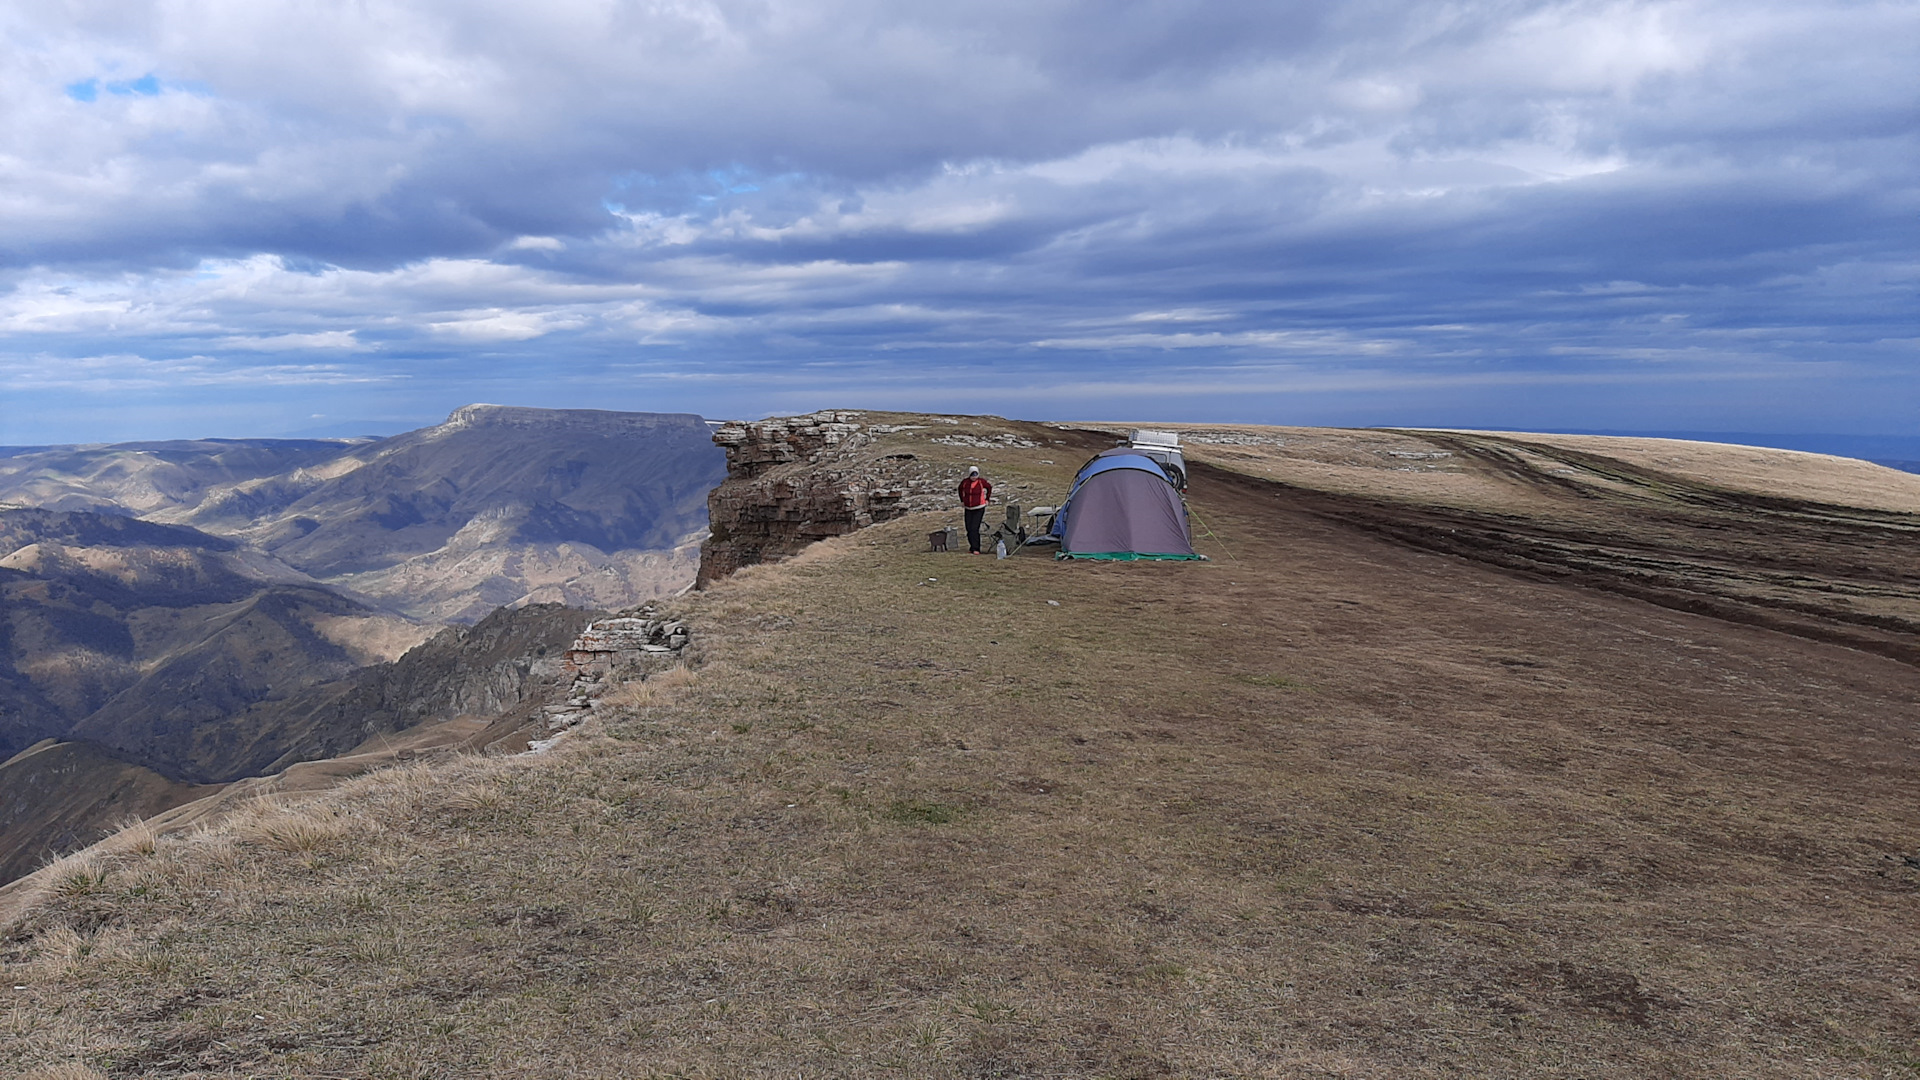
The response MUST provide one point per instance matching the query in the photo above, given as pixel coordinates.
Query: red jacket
(974, 492)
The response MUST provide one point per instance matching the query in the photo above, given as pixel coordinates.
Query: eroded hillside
(1338, 802)
(137, 632)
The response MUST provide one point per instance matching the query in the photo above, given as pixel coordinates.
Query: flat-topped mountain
(612, 481)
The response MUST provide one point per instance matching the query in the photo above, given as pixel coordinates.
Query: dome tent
(1123, 507)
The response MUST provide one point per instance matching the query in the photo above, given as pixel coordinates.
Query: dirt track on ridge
(1828, 573)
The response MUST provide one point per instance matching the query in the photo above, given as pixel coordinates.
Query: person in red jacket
(974, 493)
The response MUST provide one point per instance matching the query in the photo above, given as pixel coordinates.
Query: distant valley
(199, 611)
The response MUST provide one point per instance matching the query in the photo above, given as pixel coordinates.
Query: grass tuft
(478, 798)
(653, 691)
(1163, 973)
(77, 876)
(136, 837)
(310, 828)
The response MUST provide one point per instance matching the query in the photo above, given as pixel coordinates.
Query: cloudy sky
(256, 217)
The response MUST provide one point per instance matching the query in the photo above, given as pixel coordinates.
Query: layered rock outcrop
(794, 480)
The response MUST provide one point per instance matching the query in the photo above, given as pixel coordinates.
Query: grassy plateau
(1342, 801)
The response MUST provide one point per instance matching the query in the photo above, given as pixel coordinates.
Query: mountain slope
(26, 714)
(58, 796)
(146, 478)
(482, 670)
(132, 634)
(177, 716)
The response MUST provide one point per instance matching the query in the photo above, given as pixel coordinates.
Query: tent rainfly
(1123, 507)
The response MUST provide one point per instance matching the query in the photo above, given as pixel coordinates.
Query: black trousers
(974, 518)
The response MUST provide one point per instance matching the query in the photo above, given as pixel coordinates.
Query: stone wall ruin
(635, 645)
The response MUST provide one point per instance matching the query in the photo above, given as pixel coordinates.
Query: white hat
(973, 470)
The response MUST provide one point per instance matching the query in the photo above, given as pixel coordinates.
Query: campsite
(1337, 801)
(1124, 506)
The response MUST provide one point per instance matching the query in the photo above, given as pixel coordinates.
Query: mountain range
(496, 506)
(188, 613)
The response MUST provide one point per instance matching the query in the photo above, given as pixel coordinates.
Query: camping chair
(1013, 531)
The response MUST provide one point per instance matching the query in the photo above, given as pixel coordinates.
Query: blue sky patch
(89, 89)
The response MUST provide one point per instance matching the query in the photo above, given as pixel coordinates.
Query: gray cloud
(1576, 213)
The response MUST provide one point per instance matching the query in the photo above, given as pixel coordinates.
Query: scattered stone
(995, 441)
(1231, 438)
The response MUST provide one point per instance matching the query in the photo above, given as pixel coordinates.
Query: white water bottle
(1000, 548)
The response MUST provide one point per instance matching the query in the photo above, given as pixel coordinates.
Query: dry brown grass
(69, 1071)
(640, 694)
(136, 837)
(1792, 473)
(310, 826)
(1336, 808)
(82, 874)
